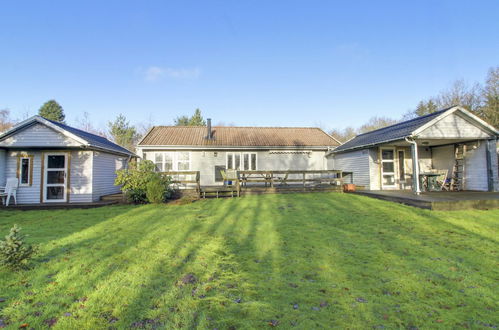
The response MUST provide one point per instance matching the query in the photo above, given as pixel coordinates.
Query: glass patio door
(55, 177)
(387, 168)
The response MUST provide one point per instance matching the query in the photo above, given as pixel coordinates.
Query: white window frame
(21, 172)
(175, 159)
(241, 160)
(394, 173)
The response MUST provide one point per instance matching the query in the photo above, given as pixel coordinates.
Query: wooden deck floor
(444, 200)
(231, 191)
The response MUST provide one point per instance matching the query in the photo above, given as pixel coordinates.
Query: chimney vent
(209, 134)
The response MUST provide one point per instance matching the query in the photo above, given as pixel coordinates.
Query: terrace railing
(284, 178)
(185, 178)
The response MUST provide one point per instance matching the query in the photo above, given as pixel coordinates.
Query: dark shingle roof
(93, 139)
(389, 133)
(239, 136)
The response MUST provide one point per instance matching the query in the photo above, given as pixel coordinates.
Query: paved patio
(442, 200)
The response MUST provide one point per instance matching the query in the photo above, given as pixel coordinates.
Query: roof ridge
(406, 121)
(278, 127)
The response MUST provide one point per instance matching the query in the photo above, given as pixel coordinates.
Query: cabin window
(241, 161)
(25, 170)
(183, 161)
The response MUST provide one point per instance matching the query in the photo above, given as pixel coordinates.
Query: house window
(25, 170)
(171, 161)
(183, 161)
(241, 161)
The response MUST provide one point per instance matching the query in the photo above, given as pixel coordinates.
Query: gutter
(415, 165)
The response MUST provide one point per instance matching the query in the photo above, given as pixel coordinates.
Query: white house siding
(3, 160)
(205, 161)
(374, 170)
(453, 126)
(356, 162)
(38, 135)
(104, 167)
(475, 169)
(80, 189)
(26, 194)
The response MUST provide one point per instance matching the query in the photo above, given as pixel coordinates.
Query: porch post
(415, 167)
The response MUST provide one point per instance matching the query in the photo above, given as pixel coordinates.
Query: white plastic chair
(10, 190)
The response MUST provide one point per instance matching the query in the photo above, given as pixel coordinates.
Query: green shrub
(135, 182)
(14, 252)
(156, 191)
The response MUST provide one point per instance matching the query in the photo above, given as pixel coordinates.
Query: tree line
(480, 99)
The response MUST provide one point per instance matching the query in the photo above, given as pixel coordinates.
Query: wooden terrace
(239, 183)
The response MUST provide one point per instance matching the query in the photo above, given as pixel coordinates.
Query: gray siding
(453, 126)
(475, 172)
(80, 177)
(26, 194)
(38, 135)
(356, 162)
(104, 170)
(3, 160)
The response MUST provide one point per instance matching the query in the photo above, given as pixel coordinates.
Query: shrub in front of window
(134, 181)
(14, 252)
(158, 189)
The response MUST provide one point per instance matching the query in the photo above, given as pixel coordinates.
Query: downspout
(415, 166)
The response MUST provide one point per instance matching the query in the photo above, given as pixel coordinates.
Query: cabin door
(388, 168)
(55, 178)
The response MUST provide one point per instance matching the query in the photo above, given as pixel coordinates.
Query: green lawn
(306, 260)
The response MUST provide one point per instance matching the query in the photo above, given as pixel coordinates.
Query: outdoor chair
(442, 180)
(10, 190)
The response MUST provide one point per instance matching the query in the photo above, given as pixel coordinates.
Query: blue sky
(264, 63)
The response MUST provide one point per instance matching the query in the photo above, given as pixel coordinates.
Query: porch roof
(409, 128)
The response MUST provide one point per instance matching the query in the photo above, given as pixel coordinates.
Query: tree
(376, 123)
(85, 124)
(5, 121)
(460, 93)
(490, 94)
(196, 120)
(372, 124)
(122, 132)
(343, 135)
(53, 111)
(182, 121)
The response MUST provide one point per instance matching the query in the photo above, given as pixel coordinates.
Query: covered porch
(423, 165)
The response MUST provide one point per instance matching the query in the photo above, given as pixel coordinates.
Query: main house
(452, 141)
(212, 150)
(54, 162)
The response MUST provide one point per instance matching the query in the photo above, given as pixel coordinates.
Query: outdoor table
(428, 181)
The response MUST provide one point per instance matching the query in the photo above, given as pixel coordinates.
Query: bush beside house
(142, 184)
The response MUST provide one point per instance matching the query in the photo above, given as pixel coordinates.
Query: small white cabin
(452, 142)
(56, 163)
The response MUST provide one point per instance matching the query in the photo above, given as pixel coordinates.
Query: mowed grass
(306, 260)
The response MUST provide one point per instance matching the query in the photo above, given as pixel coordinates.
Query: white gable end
(454, 126)
(38, 135)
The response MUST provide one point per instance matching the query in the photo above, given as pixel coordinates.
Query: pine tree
(53, 111)
(14, 252)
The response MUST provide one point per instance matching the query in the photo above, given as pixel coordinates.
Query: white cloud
(155, 73)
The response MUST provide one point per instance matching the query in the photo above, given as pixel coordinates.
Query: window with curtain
(25, 164)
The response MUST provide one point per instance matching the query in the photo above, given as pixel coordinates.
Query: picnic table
(428, 181)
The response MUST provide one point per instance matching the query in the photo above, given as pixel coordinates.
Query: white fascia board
(201, 148)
